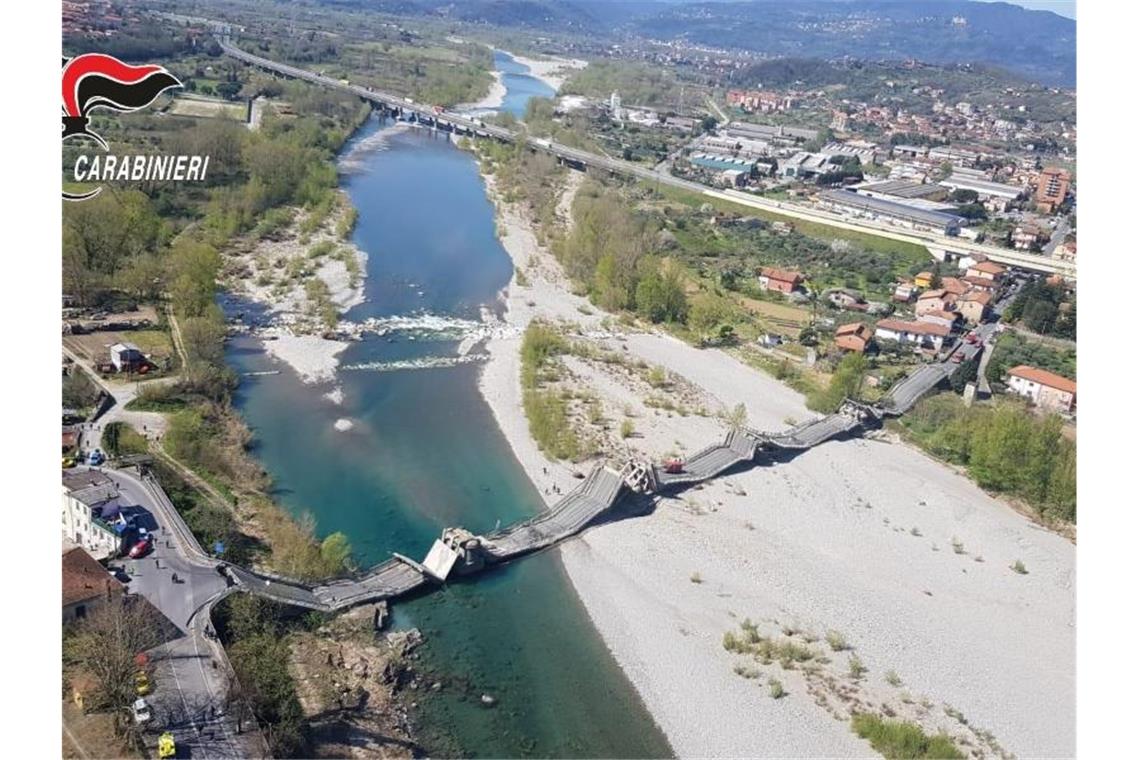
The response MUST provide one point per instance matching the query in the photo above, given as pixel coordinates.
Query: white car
(141, 711)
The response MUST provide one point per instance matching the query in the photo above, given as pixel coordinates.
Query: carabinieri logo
(95, 80)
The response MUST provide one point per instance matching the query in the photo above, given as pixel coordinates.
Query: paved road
(149, 424)
(190, 669)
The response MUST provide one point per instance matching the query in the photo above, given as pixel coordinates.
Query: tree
(106, 643)
(706, 314)
(660, 294)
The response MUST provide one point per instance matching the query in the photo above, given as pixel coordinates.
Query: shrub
(626, 428)
(1018, 567)
(775, 688)
(836, 641)
(900, 740)
(855, 667)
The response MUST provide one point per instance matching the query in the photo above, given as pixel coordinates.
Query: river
(424, 452)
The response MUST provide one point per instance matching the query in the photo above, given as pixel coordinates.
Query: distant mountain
(1039, 45)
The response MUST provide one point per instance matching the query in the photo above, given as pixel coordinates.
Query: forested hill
(1036, 44)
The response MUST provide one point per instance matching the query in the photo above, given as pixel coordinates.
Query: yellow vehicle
(166, 746)
(68, 462)
(142, 683)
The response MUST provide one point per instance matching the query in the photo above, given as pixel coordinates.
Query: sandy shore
(552, 71)
(855, 536)
(492, 100)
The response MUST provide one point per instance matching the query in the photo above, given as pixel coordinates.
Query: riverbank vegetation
(547, 410)
(900, 740)
(254, 632)
(1004, 449)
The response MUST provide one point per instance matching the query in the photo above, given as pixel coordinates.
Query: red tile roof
(989, 267)
(981, 282)
(84, 578)
(1044, 377)
(784, 275)
(954, 285)
(916, 328)
(855, 328)
(980, 296)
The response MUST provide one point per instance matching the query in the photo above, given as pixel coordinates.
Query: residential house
(91, 513)
(1045, 389)
(847, 299)
(854, 337)
(1026, 237)
(986, 270)
(948, 319)
(934, 300)
(981, 283)
(955, 286)
(904, 292)
(974, 306)
(781, 280)
(921, 334)
(126, 357)
(86, 584)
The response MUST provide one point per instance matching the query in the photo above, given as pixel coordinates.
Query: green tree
(707, 313)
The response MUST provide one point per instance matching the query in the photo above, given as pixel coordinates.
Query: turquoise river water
(425, 453)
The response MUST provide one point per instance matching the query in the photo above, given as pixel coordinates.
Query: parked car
(141, 711)
(957, 358)
(142, 683)
(96, 458)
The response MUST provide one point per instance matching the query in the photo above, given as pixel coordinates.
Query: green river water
(424, 452)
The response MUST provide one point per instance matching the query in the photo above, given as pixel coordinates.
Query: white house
(921, 334)
(90, 515)
(1046, 389)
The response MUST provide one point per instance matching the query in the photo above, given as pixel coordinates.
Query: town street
(190, 670)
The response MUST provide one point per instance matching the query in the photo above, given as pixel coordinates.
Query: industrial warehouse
(854, 204)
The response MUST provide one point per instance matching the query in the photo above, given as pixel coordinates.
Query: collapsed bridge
(460, 552)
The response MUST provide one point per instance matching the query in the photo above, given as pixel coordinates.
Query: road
(190, 669)
(151, 425)
(953, 245)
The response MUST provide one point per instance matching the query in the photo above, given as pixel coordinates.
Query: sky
(1066, 8)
